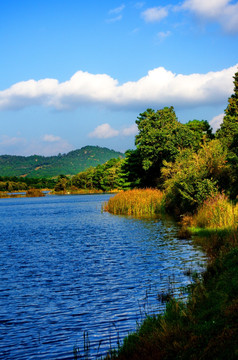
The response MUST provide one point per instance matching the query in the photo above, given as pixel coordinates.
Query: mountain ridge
(71, 163)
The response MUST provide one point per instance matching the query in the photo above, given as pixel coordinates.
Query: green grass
(204, 328)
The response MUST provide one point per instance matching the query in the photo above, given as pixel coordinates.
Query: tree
(161, 137)
(62, 183)
(195, 176)
(132, 169)
(154, 138)
(228, 132)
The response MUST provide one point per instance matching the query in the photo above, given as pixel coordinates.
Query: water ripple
(67, 270)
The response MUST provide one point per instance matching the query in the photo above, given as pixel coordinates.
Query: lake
(70, 272)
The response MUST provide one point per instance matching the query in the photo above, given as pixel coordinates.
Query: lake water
(69, 271)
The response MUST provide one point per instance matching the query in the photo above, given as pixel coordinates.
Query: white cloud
(163, 34)
(104, 131)
(117, 10)
(160, 87)
(216, 121)
(129, 131)
(51, 138)
(116, 13)
(155, 14)
(44, 146)
(222, 11)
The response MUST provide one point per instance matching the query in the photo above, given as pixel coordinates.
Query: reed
(136, 202)
(217, 212)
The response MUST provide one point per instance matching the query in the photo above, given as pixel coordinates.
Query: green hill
(48, 166)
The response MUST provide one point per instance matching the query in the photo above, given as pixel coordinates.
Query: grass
(206, 327)
(136, 202)
(217, 212)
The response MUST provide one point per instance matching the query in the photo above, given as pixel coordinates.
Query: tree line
(14, 183)
(187, 161)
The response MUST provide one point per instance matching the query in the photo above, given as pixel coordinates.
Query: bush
(193, 177)
(34, 193)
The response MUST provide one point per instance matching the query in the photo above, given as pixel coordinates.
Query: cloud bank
(160, 87)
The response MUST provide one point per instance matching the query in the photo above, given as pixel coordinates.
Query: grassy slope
(67, 164)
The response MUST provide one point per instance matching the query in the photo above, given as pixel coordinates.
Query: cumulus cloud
(51, 138)
(160, 87)
(222, 11)
(104, 131)
(155, 14)
(129, 131)
(216, 121)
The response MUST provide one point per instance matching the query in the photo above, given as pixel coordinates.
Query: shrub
(193, 177)
(34, 193)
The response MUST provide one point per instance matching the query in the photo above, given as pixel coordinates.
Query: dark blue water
(67, 269)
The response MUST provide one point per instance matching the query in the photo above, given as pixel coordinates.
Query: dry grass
(137, 202)
(217, 213)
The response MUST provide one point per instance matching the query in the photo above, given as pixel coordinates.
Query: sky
(76, 73)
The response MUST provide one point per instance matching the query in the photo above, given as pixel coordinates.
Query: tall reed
(217, 212)
(137, 202)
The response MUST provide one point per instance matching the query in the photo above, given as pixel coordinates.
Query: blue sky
(76, 73)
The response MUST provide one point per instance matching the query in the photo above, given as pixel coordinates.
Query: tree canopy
(228, 132)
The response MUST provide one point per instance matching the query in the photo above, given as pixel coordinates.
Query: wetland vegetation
(191, 173)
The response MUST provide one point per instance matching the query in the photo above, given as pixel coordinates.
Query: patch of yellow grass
(217, 213)
(137, 202)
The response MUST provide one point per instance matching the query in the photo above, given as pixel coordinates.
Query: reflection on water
(66, 268)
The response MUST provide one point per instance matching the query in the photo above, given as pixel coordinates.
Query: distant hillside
(67, 164)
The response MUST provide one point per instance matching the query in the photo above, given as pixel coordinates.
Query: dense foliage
(228, 132)
(14, 183)
(161, 137)
(45, 167)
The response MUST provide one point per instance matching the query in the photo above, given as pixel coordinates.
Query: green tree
(61, 184)
(132, 169)
(228, 132)
(195, 176)
(161, 137)
(154, 139)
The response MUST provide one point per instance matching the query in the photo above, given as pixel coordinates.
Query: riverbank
(21, 194)
(206, 326)
(39, 192)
